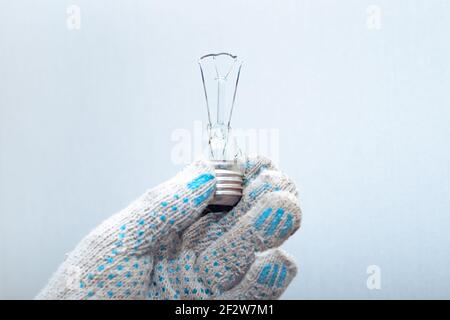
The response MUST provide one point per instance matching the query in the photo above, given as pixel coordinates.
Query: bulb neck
(219, 136)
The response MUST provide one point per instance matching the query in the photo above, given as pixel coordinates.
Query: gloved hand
(165, 245)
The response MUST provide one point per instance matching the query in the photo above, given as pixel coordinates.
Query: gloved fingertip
(275, 217)
(275, 270)
(253, 166)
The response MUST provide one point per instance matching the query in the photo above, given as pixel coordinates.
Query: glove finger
(266, 182)
(199, 234)
(267, 225)
(213, 225)
(267, 278)
(252, 167)
(203, 232)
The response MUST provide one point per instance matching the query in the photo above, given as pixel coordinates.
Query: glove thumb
(173, 205)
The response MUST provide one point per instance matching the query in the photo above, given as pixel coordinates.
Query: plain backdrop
(358, 91)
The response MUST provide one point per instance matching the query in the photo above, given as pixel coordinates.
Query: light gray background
(86, 119)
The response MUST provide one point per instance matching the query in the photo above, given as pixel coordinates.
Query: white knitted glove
(165, 245)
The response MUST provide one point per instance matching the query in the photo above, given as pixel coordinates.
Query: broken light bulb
(220, 76)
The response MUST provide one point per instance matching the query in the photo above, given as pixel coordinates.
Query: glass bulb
(220, 76)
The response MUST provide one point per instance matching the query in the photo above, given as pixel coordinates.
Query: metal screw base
(229, 184)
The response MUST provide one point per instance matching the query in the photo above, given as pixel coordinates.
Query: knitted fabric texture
(167, 245)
